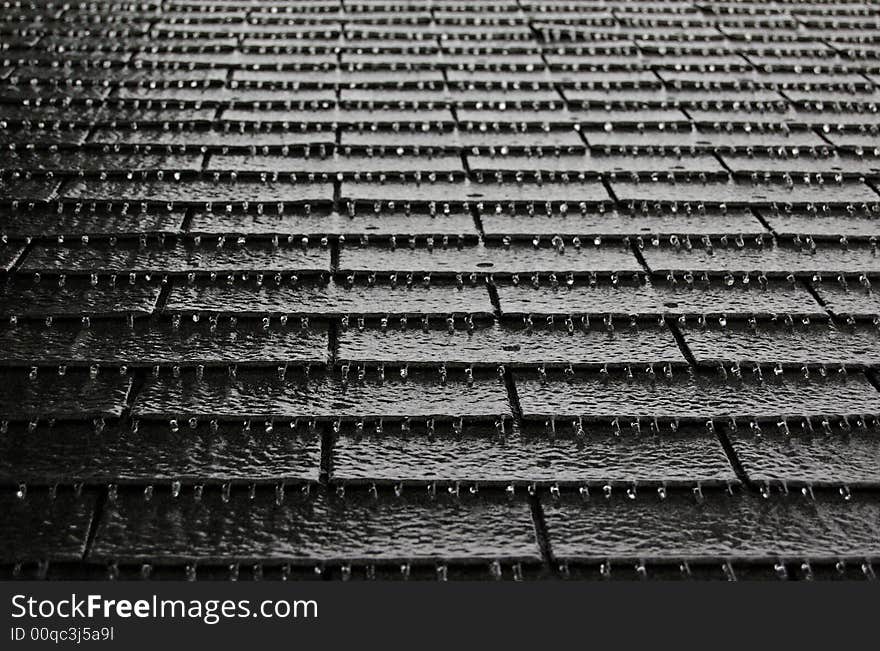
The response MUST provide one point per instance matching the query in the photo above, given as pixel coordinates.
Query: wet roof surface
(440, 289)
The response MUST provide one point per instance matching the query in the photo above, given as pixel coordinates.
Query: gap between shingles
(95, 522)
(542, 534)
(723, 440)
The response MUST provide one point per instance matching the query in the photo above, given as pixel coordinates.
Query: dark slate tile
(841, 458)
(490, 260)
(88, 219)
(698, 97)
(778, 259)
(317, 527)
(853, 300)
(179, 258)
(341, 115)
(131, 115)
(597, 162)
(705, 139)
(816, 343)
(828, 165)
(261, 394)
(348, 165)
(738, 526)
(807, 93)
(464, 95)
(26, 190)
(199, 192)
(649, 225)
(628, 79)
(27, 343)
(67, 115)
(166, 342)
(330, 300)
(339, 77)
(387, 141)
(502, 138)
(93, 161)
(484, 457)
(21, 136)
(224, 96)
(697, 397)
(361, 224)
(124, 75)
(510, 346)
(743, 192)
(194, 136)
(74, 395)
(23, 297)
(827, 224)
(697, 298)
(153, 453)
(436, 94)
(235, 59)
(441, 191)
(534, 117)
(638, 117)
(859, 141)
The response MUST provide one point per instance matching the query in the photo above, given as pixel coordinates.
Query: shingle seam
(162, 299)
(465, 164)
(722, 162)
(512, 396)
(188, 215)
(637, 252)
(478, 219)
(759, 215)
(745, 57)
(325, 470)
(95, 522)
(821, 135)
(720, 434)
(561, 92)
(680, 340)
(806, 284)
(542, 534)
(535, 32)
(608, 188)
(873, 185)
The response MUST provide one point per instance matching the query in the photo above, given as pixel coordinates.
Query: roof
(511, 289)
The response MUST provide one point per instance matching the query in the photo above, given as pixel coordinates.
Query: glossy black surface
(507, 289)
